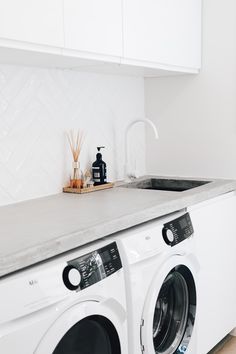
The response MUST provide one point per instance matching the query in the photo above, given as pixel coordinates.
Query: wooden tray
(89, 189)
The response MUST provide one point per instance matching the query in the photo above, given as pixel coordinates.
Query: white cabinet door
(94, 26)
(163, 31)
(34, 21)
(214, 226)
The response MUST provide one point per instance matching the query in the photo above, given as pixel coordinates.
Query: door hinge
(141, 344)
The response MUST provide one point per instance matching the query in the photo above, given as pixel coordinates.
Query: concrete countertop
(39, 229)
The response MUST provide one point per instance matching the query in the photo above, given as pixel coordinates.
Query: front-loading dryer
(73, 304)
(161, 279)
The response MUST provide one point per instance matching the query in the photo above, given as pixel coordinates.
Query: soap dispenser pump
(99, 169)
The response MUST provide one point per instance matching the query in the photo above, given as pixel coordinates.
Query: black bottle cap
(99, 155)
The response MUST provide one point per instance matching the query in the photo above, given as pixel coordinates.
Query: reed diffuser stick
(76, 142)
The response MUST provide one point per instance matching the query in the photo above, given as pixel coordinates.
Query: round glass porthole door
(92, 335)
(174, 312)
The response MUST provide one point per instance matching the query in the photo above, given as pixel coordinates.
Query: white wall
(196, 115)
(37, 106)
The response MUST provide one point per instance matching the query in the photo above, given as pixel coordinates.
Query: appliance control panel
(89, 269)
(177, 230)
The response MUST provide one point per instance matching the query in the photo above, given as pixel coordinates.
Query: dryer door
(169, 311)
(86, 328)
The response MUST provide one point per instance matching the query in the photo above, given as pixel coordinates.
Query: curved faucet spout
(140, 120)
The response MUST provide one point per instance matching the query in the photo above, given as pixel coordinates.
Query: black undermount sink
(163, 184)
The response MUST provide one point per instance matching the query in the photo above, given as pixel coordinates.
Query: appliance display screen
(106, 257)
(183, 223)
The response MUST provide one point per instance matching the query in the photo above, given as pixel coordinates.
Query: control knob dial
(71, 277)
(168, 235)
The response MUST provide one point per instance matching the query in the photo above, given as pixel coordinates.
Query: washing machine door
(86, 328)
(170, 308)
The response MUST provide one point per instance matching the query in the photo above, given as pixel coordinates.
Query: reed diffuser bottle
(76, 142)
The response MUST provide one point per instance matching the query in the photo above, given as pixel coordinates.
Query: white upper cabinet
(94, 26)
(163, 32)
(32, 21)
(148, 37)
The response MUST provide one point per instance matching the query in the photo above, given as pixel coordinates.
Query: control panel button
(168, 235)
(71, 277)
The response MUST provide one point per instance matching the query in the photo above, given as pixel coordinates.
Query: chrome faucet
(128, 174)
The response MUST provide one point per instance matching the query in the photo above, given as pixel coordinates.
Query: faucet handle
(131, 173)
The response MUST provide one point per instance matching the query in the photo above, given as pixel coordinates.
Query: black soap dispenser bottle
(99, 169)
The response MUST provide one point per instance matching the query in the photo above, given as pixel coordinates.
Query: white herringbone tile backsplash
(37, 107)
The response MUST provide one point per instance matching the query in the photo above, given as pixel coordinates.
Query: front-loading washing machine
(161, 279)
(72, 304)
